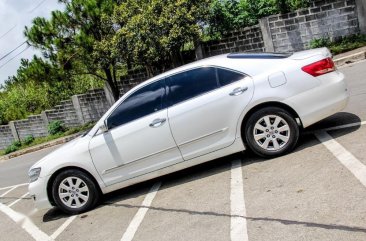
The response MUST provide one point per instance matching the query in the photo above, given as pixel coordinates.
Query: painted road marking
(26, 223)
(16, 201)
(18, 185)
(11, 189)
(139, 216)
(238, 225)
(357, 168)
(63, 227)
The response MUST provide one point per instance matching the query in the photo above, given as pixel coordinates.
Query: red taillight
(321, 67)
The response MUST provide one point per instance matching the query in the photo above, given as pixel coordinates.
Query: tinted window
(144, 101)
(227, 77)
(191, 83)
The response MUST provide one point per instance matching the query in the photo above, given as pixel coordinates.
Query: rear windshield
(259, 55)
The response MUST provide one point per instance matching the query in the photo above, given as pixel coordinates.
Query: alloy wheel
(271, 132)
(73, 192)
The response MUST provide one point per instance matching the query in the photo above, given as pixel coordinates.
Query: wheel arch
(269, 104)
(54, 175)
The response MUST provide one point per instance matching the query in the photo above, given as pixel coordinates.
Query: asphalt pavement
(317, 192)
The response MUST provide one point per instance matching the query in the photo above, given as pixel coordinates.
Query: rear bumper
(38, 192)
(330, 97)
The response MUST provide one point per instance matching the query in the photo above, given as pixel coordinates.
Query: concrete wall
(92, 105)
(33, 125)
(81, 109)
(294, 31)
(242, 40)
(64, 112)
(6, 136)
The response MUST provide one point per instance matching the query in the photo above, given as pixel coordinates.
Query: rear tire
(271, 132)
(75, 192)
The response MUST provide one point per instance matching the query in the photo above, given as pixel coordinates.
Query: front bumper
(38, 192)
(330, 97)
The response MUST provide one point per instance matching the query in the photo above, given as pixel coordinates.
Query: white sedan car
(189, 115)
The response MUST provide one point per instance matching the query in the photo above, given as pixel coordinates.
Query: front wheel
(75, 192)
(271, 132)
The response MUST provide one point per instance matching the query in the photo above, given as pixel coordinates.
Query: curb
(59, 141)
(350, 59)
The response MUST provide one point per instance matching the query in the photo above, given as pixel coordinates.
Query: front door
(138, 140)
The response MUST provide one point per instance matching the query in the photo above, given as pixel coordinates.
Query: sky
(14, 16)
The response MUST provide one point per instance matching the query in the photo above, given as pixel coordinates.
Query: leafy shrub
(340, 45)
(28, 140)
(320, 42)
(56, 127)
(13, 147)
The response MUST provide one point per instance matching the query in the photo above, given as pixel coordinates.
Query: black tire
(271, 150)
(93, 192)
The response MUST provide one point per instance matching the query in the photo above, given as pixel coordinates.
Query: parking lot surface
(317, 192)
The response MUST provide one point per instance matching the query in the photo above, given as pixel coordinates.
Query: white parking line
(18, 185)
(26, 223)
(357, 168)
(16, 201)
(11, 189)
(238, 225)
(63, 227)
(139, 216)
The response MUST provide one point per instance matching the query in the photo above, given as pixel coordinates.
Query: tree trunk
(112, 83)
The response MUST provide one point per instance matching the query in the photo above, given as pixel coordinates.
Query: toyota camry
(189, 115)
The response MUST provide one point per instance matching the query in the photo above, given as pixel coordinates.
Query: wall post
(266, 33)
(108, 95)
(14, 131)
(77, 107)
(361, 14)
(199, 51)
(45, 118)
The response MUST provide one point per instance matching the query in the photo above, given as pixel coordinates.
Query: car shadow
(338, 119)
(220, 165)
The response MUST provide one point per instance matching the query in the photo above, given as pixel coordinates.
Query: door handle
(238, 91)
(157, 122)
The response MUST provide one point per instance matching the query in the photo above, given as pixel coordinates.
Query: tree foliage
(153, 32)
(39, 85)
(72, 38)
(227, 15)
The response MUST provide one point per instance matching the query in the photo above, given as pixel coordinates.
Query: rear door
(205, 105)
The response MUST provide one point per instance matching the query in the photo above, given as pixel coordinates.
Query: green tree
(75, 39)
(153, 32)
(228, 15)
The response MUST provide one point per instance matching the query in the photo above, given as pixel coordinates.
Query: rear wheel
(271, 131)
(75, 192)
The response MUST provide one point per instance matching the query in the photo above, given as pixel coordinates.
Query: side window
(144, 101)
(189, 84)
(227, 77)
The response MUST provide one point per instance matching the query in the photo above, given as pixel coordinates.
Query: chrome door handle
(238, 91)
(157, 122)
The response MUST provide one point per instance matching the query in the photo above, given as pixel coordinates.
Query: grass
(45, 139)
(340, 45)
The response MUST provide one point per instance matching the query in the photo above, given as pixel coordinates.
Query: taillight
(319, 68)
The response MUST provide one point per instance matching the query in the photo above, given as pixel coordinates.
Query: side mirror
(103, 128)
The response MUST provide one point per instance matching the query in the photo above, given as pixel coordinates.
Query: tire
(271, 132)
(78, 197)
